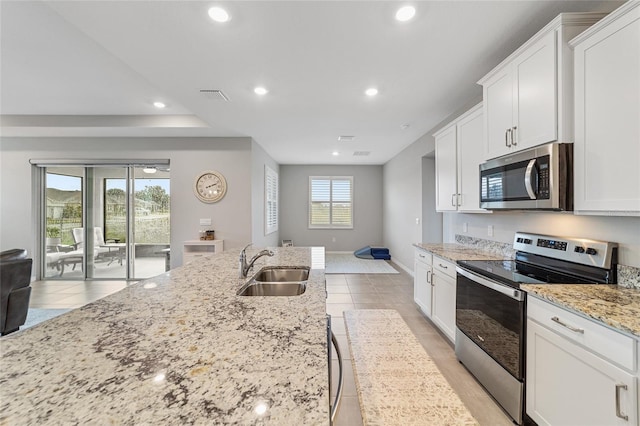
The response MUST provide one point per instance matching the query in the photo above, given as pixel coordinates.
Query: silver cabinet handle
(453, 203)
(336, 402)
(429, 273)
(574, 329)
(506, 138)
(443, 266)
(618, 412)
(514, 136)
(459, 199)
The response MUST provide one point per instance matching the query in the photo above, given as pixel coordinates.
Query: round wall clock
(210, 186)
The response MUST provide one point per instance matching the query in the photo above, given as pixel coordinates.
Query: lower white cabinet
(422, 281)
(568, 383)
(444, 297)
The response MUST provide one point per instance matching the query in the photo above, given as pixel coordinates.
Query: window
(331, 202)
(270, 200)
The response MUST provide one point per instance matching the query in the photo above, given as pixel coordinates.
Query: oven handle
(494, 285)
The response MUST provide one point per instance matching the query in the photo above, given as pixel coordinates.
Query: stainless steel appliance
(538, 179)
(490, 307)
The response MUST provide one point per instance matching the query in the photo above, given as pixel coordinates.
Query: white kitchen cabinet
(459, 152)
(195, 249)
(528, 97)
(444, 296)
(422, 281)
(607, 101)
(571, 379)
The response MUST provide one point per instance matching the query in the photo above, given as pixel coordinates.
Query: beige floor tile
(338, 289)
(339, 298)
(348, 412)
(336, 309)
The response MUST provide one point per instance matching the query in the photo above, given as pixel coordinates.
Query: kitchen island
(179, 348)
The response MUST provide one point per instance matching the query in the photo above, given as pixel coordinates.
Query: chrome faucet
(244, 266)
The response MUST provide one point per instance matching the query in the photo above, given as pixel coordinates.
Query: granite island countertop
(180, 348)
(454, 252)
(612, 305)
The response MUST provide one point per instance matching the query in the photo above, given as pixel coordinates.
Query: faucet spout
(246, 266)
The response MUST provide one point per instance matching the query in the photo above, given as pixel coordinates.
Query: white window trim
(309, 207)
(271, 196)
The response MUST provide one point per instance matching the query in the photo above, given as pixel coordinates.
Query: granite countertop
(180, 348)
(613, 305)
(454, 252)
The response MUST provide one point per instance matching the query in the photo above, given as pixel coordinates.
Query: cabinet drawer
(423, 256)
(444, 266)
(597, 338)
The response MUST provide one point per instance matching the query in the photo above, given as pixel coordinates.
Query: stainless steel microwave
(539, 178)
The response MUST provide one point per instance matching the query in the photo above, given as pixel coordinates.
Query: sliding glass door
(105, 222)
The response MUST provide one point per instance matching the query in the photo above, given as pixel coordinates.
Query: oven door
(492, 315)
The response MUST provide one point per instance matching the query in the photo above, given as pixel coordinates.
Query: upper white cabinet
(458, 155)
(607, 115)
(528, 97)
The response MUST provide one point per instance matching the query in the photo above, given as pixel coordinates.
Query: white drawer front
(597, 338)
(423, 256)
(444, 266)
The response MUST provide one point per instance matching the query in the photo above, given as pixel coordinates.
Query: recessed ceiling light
(335, 153)
(260, 91)
(159, 104)
(372, 91)
(405, 13)
(218, 14)
(150, 170)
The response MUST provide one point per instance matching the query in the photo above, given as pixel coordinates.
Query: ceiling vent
(361, 153)
(346, 138)
(215, 94)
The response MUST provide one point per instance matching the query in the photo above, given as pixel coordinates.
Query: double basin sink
(277, 281)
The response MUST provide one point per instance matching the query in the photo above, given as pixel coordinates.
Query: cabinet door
(498, 113)
(568, 385)
(446, 187)
(535, 107)
(444, 304)
(607, 147)
(422, 286)
(470, 154)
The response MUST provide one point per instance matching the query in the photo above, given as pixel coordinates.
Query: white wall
(623, 230)
(231, 217)
(432, 220)
(403, 201)
(260, 158)
(367, 207)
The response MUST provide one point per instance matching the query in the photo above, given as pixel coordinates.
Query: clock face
(210, 187)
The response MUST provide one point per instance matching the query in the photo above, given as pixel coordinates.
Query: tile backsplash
(628, 276)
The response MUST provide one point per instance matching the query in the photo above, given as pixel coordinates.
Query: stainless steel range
(490, 307)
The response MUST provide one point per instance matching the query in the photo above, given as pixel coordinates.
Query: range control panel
(577, 250)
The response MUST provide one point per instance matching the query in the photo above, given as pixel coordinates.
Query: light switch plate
(206, 221)
(490, 230)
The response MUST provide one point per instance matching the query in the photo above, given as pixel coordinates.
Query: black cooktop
(532, 269)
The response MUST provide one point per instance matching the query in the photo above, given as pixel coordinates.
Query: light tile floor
(345, 291)
(395, 291)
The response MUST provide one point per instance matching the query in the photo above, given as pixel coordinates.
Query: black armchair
(15, 277)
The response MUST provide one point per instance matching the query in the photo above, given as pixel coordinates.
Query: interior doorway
(104, 222)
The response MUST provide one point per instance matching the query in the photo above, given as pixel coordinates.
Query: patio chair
(101, 250)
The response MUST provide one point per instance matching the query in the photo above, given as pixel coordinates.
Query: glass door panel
(107, 221)
(150, 225)
(63, 214)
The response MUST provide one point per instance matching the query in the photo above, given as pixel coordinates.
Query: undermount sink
(276, 274)
(277, 281)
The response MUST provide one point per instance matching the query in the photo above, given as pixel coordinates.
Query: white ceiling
(94, 68)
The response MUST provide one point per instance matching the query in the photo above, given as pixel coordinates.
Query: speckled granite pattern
(397, 382)
(504, 250)
(454, 252)
(180, 348)
(628, 276)
(612, 305)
